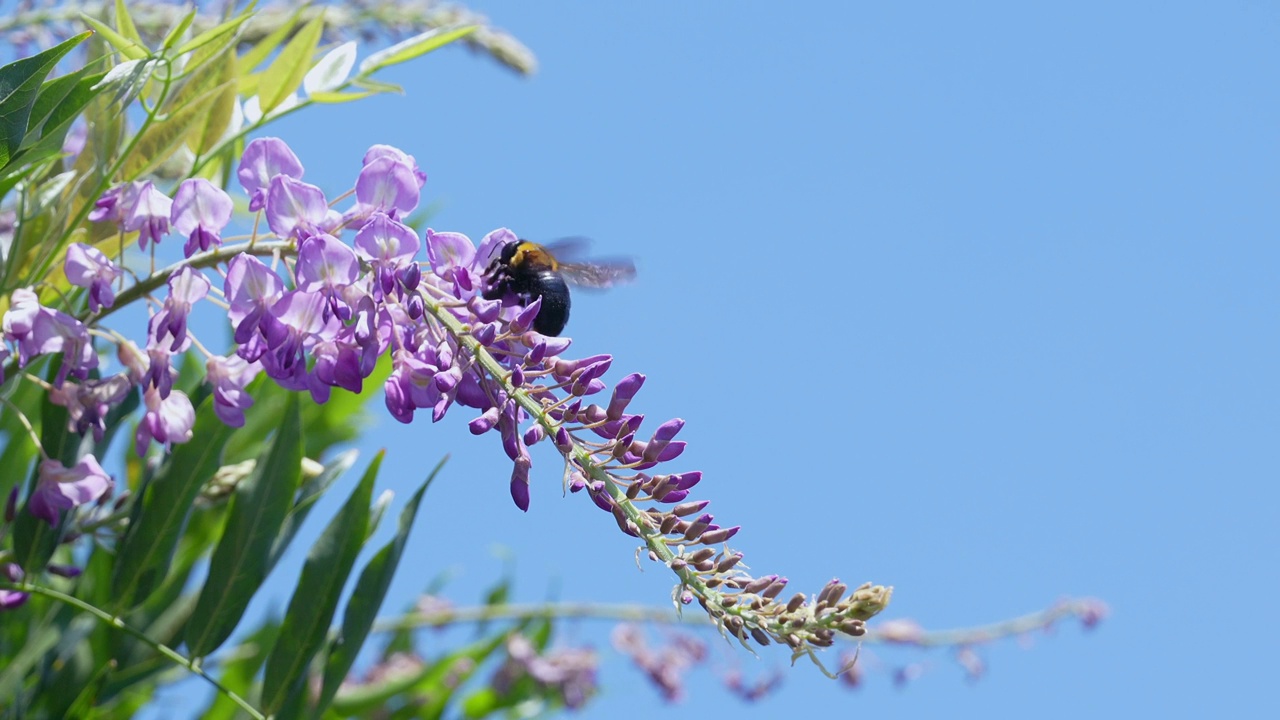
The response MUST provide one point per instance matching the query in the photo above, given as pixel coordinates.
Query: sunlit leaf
(413, 47)
(284, 75)
(332, 70)
(377, 86)
(267, 45)
(163, 138)
(127, 47)
(333, 98)
(176, 32)
(125, 25)
(210, 35)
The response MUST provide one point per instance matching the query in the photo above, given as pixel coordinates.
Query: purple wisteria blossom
(89, 402)
(389, 248)
(168, 420)
(263, 159)
(251, 289)
(328, 266)
(62, 488)
(200, 211)
(186, 287)
(88, 267)
(108, 207)
(388, 151)
(569, 672)
(146, 211)
(296, 209)
(38, 330)
(229, 376)
(387, 185)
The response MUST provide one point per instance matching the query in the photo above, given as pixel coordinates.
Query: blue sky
(980, 303)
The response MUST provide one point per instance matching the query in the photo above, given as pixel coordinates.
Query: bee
(531, 271)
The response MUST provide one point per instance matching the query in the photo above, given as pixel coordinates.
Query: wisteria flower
(89, 402)
(108, 207)
(186, 287)
(39, 330)
(62, 488)
(168, 420)
(295, 209)
(570, 672)
(88, 267)
(326, 265)
(251, 289)
(229, 376)
(389, 151)
(387, 185)
(389, 247)
(263, 159)
(200, 211)
(146, 212)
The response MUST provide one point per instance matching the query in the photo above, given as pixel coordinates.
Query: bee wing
(599, 274)
(568, 249)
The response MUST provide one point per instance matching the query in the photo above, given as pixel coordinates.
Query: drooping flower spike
(353, 289)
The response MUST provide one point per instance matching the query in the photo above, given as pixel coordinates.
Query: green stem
(957, 637)
(117, 622)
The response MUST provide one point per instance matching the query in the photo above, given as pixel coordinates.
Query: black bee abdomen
(554, 314)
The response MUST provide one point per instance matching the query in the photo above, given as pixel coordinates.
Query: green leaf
(47, 141)
(84, 703)
(332, 70)
(334, 98)
(172, 36)
(239, 563)
(127, 47)
(20, 85)
(316, 597)
(125, 24)
(311, 493)
(366, 599)
(206, 135)
(144, 556)
(284, 75)
(216, 72)
(377, 86)
(18, 662)
(411, 48)
(268, 44)
(52, 93)
(210, 35)
(128, 78)
(162, 138)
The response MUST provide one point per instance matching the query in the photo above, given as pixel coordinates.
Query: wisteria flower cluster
(322, 312)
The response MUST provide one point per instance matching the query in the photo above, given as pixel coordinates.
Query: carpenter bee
(531, 271)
